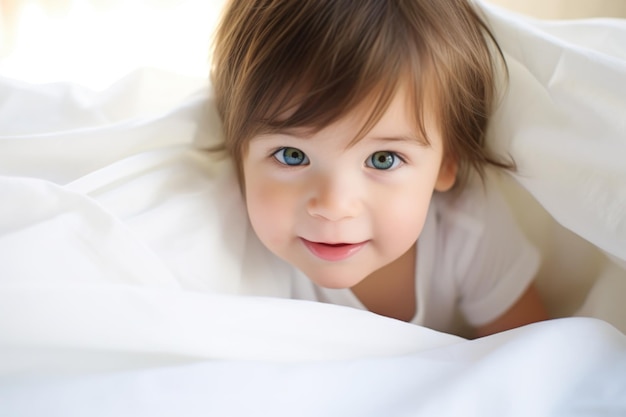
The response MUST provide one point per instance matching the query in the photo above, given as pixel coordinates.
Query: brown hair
(281, 64)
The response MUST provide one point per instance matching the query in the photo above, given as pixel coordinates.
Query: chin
(335, 281)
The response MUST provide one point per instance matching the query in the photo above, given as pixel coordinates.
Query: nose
(334, 197)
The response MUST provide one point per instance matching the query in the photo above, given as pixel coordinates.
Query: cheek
(402, 216)
(270, 210)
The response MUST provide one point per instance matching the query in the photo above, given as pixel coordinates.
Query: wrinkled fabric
(125, 256)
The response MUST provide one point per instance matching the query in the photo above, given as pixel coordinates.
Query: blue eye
(291, 157)
(383, 160)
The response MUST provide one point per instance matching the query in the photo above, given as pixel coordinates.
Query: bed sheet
(122, 240)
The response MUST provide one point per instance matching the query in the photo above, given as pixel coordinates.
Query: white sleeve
(497, 262)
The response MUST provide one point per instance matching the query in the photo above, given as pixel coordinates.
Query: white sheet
(115, 288)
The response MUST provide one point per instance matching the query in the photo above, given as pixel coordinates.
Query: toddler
(357, 128)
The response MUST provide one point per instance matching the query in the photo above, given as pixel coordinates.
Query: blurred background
(94, 42)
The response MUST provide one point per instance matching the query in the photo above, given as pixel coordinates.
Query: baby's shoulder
(469, 214)
(474, 225)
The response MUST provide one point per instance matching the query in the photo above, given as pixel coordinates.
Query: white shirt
(472, 259)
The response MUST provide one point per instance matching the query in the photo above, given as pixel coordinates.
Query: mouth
(333, 252)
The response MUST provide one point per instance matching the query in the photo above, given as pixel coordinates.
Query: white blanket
(122, 252)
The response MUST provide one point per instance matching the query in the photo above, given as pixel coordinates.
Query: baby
(358, 131)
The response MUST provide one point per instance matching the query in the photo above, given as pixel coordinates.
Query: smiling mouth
(333, 252)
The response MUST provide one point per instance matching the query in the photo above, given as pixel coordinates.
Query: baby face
(339, 211)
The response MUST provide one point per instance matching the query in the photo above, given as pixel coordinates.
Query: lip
(332, 252)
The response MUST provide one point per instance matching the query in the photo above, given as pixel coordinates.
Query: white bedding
(118, 297)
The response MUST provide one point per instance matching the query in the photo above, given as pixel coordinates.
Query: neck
(390, 291)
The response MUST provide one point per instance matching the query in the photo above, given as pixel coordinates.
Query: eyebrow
(401, 138)
(409, 138)
(285, 132)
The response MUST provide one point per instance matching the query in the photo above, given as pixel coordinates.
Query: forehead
(401, 117)
(394, 117)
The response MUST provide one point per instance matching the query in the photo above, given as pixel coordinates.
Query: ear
(447, 174)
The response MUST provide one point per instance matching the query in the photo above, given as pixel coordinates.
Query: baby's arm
(498, 291)
(529, 308)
